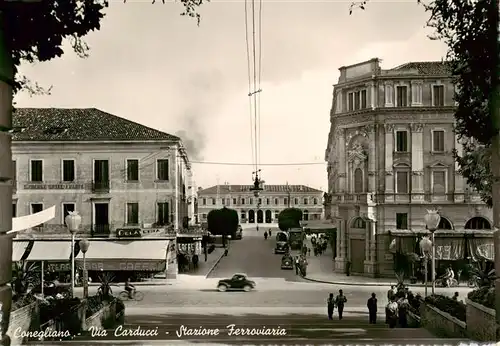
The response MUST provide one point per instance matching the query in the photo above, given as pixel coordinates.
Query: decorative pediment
(357, 153)
(438, 164)
(402, 164)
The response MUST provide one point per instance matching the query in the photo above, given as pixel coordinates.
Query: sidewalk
(204, 268)
(321, 269)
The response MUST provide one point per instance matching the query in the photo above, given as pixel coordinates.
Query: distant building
(390, 159)
(266, 207)
(119, 175)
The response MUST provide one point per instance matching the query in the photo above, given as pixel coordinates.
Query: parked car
(281, 247)
(239, 282)
(287, 262)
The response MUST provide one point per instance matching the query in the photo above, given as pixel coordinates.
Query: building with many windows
(122, 177)
(390, 159)
(266, 207)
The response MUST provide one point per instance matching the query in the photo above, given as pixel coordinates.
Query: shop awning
(50, 251)
(18, 249)
(137, 255)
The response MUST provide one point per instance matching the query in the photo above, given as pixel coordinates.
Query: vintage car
(287, 262)
(281, 247)
(239, 282)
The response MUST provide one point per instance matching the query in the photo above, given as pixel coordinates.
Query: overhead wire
(254, 46)
(260, 164)
(249, 83)
(259, 76)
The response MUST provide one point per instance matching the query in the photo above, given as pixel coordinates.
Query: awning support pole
(43, 279)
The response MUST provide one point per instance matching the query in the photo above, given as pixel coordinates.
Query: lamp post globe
(432, 219)
(84, 245)
(425, 245)
(73, 221)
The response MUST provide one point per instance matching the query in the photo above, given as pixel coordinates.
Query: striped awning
(50, 251)
(18, 249)
(138, 255)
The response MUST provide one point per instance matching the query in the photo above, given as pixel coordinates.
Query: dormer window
(56, 130)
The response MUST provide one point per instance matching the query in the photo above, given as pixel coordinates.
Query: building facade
(390, 159)
(266, 207)
(119, 175)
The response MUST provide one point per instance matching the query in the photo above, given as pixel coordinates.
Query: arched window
(444, 223)
(305, 201)
(358, 180)
(478, 223)
(358, 223)
(315, 201)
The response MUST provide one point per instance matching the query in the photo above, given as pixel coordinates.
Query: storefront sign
(450, 249)
(117, 265)
(189, 249)
(128, 232)
(54, 186)
(58, 266)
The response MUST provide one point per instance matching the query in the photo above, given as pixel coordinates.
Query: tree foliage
(223, 221)
(469, 28)
(36, 30)
(289, 218)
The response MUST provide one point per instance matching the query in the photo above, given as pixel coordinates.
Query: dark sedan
(239, 282)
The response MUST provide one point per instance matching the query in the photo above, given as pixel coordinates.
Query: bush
(484, 296)
(446, 304)
(22, 301)
(94, 304)
(64, 312)
(120, 311)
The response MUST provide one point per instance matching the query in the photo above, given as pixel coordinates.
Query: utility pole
(494, 110)
(6, 82)
(288, 192)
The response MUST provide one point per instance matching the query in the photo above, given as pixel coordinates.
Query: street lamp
(84, 247)
(73, 221)
(426, 247)
(432, 219)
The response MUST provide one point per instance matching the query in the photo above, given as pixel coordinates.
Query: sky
(150, 65)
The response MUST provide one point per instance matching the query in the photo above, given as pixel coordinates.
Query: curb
(379, 284)
(214, 265)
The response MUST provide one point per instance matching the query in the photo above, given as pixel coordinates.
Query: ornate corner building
(390, 158)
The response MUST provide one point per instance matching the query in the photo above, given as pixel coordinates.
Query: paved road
(269, 293)
(254, 256)
(287, 328)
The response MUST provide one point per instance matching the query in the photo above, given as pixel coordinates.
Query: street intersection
(281, 300)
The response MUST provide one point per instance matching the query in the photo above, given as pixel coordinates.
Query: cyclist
(129, 288)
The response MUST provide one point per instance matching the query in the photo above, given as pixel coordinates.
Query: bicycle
(441, 282)
(136, 295)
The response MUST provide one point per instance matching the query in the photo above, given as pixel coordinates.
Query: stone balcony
(405, 198)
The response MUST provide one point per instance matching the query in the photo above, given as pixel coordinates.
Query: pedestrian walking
(391, 313)
(297, 265)
(340, 302)
(390, 294)
(330, 303)
(455, 296)
(372, 309)
(309, 251)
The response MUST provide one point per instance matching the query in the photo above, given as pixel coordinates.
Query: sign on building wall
(54, 186)
(128, 232)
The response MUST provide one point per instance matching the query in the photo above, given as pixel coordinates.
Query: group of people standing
(396, 311)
